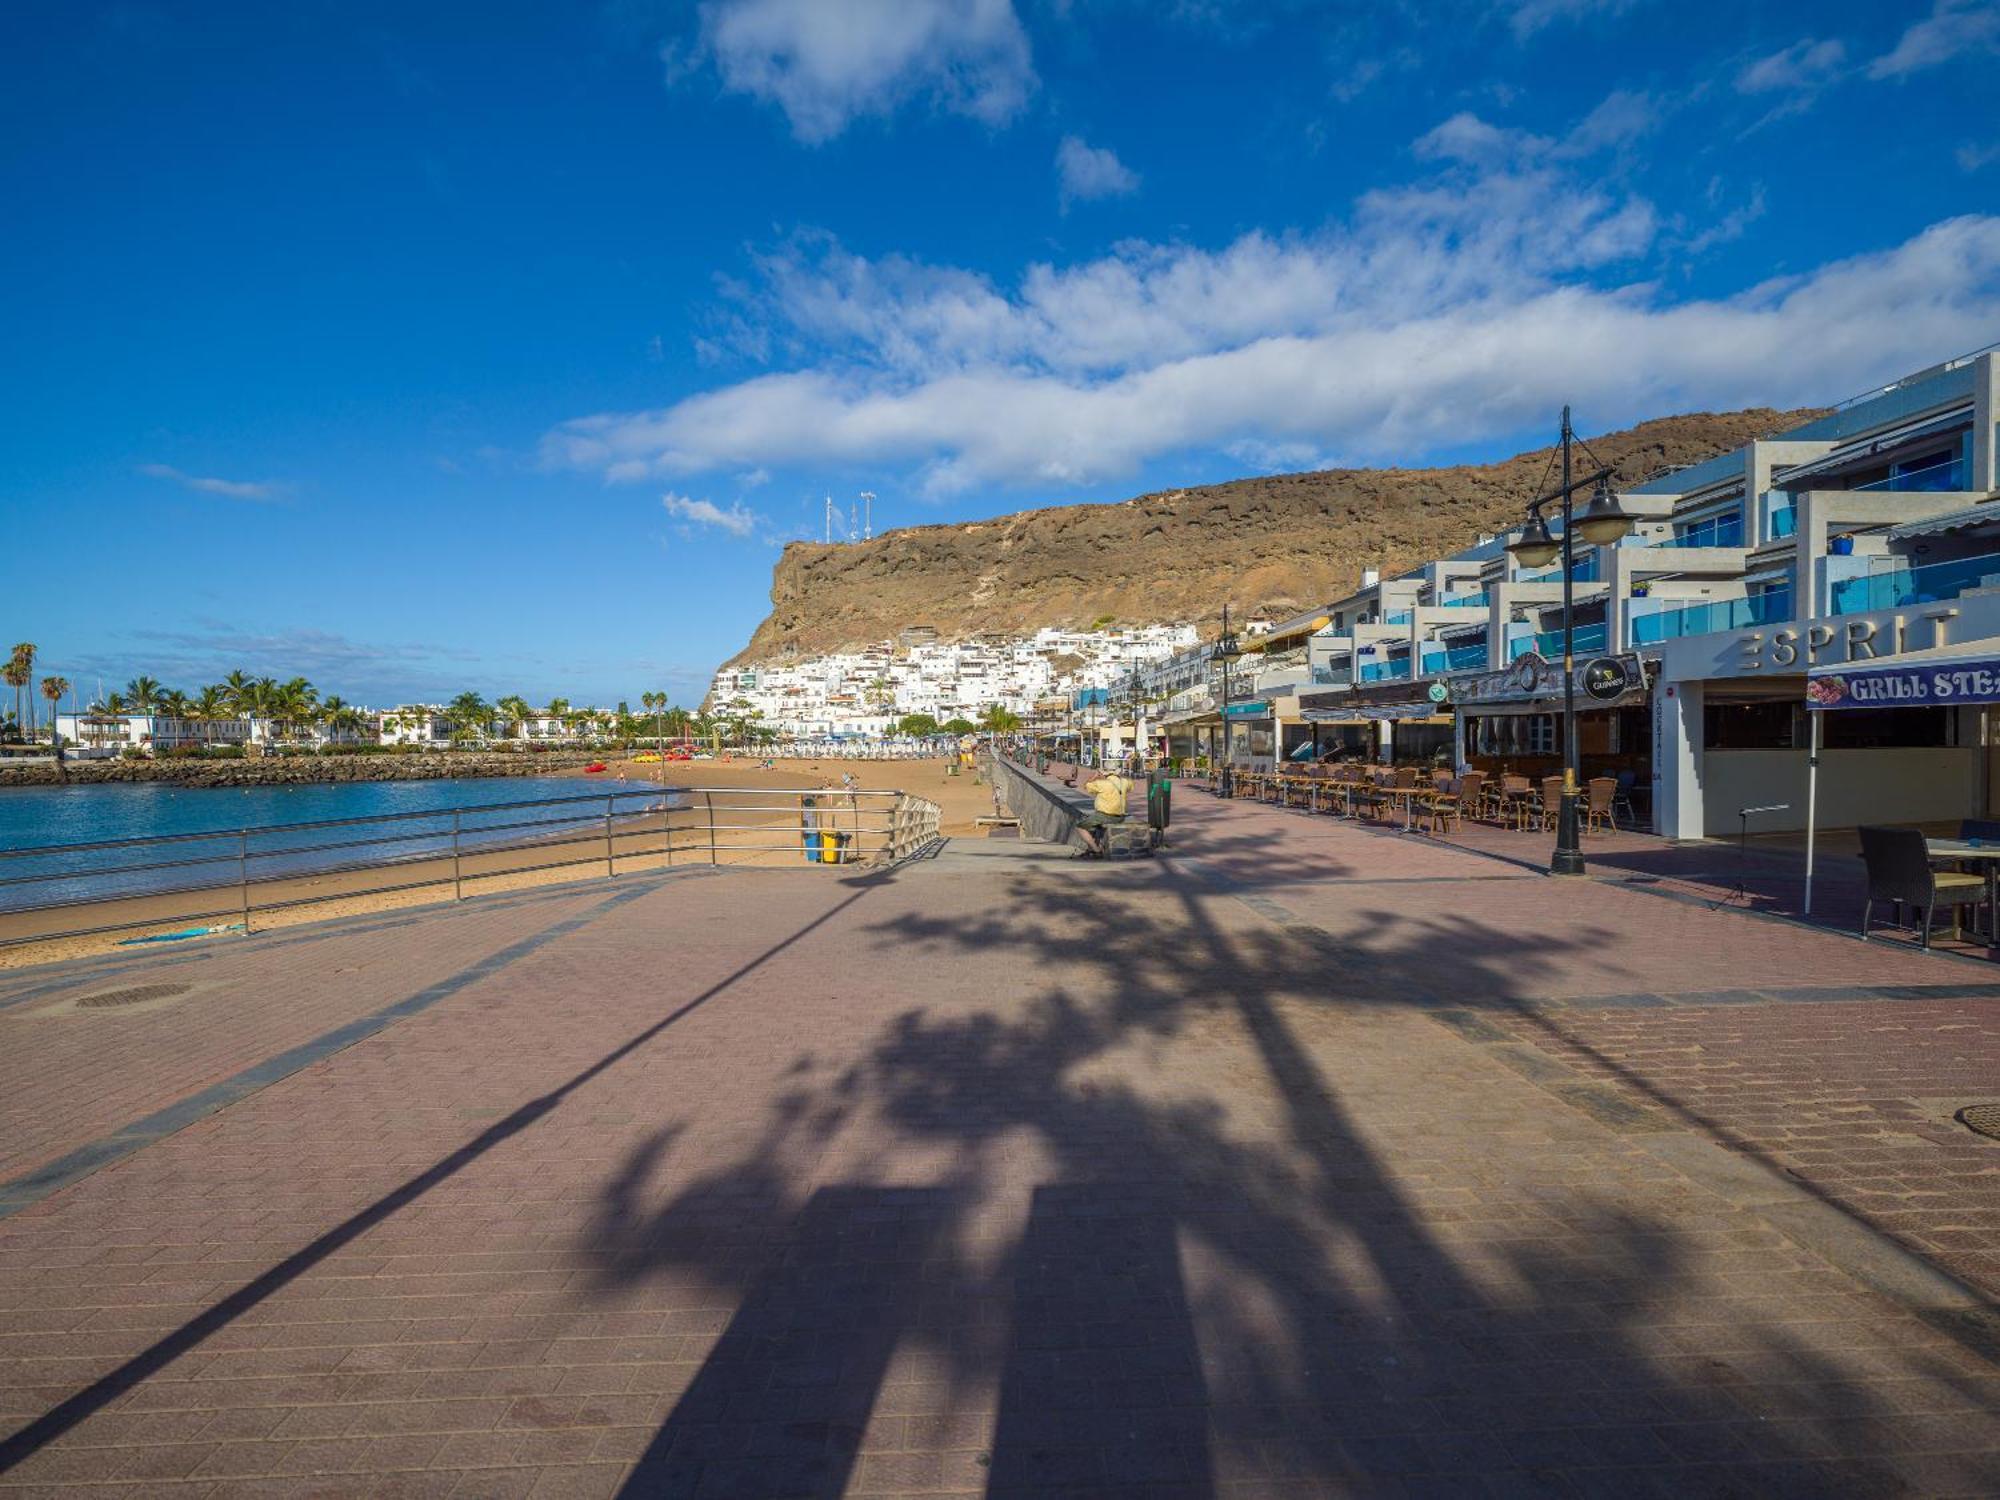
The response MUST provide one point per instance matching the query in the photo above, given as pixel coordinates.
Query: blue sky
(502, 345)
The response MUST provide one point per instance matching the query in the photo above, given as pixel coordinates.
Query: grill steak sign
(1907, 687)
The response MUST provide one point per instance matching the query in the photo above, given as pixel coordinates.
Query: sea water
(213, 830)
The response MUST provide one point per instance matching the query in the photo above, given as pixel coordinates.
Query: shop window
(1771, 725)
(1887, 729)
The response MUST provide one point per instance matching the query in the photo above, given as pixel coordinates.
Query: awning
(1983, 514)
(1941, 677)
(1784, 476)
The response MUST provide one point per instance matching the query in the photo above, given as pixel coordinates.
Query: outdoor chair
(1900, 872)
(1601, 792)
(1551, 803)
(1472, 794)
(1445, 803)
(1621, 799)
(1516, 800)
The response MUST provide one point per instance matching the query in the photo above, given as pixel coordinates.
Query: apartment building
(1861, 536)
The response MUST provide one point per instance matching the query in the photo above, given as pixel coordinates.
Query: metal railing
(167, 881)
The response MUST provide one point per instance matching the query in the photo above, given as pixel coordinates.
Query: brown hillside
(1270, 546)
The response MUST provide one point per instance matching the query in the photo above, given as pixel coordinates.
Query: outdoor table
(1985, 853)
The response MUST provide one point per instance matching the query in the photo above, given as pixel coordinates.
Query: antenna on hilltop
(868, 515)
(829, 520)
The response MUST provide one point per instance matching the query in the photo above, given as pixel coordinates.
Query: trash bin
(833, 847)
(809, 830)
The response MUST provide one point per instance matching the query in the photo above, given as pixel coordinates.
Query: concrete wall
(1047, 814)
(1855, 786)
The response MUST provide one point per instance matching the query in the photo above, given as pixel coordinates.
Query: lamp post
(1138, 750)
(1225, 652)
(1602, 523)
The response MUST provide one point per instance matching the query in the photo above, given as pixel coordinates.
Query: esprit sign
(1830, 641)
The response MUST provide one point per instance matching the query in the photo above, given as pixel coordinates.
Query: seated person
(1110, 791)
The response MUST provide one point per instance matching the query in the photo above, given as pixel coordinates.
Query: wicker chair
(1472, 794)
(1550, 807)
(1900, 871)
(1601, 793)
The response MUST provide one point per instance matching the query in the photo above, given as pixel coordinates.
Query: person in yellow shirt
(1109, 791)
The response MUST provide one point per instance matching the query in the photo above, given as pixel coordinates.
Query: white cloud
(1529, 16)
(1619, 118)
(1974, 158)
(1953, 28)
(229, 489)
(737, 520)
(1088, 172)
(1456, 309)
(1805, 66)
(826, 63)
(1730, 226)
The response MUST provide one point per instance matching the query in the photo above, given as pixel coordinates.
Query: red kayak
(594, 767)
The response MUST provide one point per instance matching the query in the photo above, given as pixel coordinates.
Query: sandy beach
(637, 844)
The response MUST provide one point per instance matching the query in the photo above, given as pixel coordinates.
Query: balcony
(1772, 607)
(1463, 601)
(1716, 531)
(1949, 474)
(1588, 638)
(1456, 659)
(1907, 586)
(1784, 522)
(1583, 572)
(1400, 617)
(1385, 671)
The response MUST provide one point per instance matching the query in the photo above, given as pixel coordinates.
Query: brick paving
(1247, 1171)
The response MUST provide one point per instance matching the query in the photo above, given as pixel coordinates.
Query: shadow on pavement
(1194, 1296)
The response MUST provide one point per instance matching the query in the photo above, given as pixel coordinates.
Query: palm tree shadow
(1229, 1273)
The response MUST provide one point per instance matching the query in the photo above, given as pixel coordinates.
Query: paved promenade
(1305, 1160)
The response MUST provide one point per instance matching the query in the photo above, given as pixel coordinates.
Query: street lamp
(1226, 651)
(1602, 523)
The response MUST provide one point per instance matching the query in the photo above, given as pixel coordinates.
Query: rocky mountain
(1270, 546)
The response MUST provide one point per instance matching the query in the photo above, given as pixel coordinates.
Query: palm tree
(339, 716)
(516, 710)
(144, 694)
(173, 703)
(239, 692)
(53, 689)
(19, 673)
(469, 714)
(211, 703)
(656, 705)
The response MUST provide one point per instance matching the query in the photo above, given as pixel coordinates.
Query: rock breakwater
(298, 770)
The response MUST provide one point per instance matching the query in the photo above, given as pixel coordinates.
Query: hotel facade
(1858, 537)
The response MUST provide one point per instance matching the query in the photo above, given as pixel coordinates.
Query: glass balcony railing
(1400, 617)
(1906, 586)
(1589, 639)
(1946, 475)
(1456, 659)
(1718, 531)
(1784, 521)
(1583, 572)
(1384, 671)
(1772, 607)
(1462, 601)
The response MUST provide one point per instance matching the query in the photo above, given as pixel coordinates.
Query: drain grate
(1982, 1118)
(138, 994)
